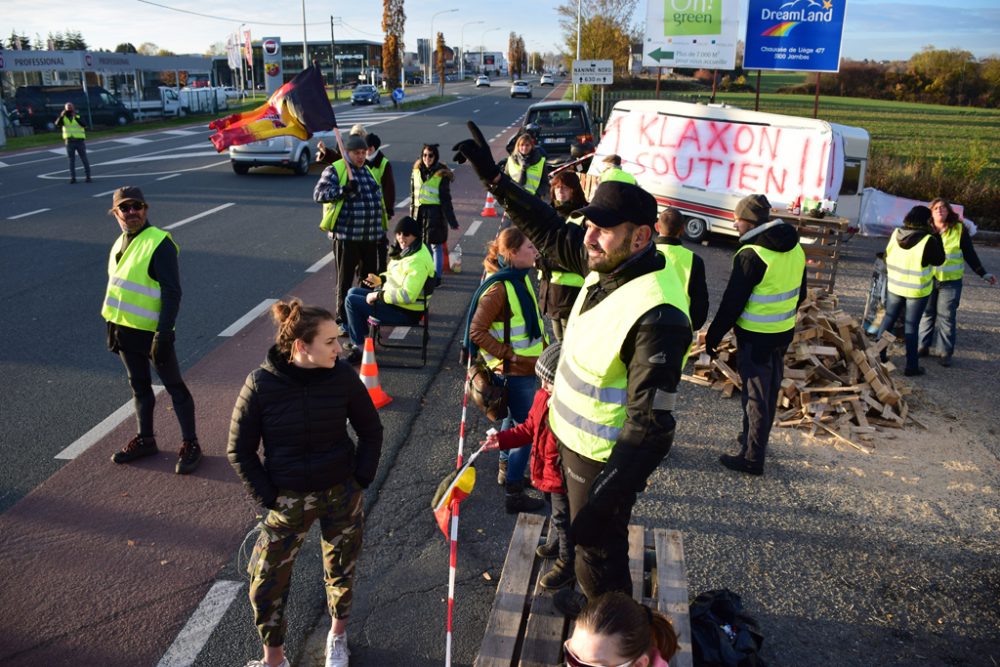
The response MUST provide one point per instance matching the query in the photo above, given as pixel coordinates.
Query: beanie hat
(754, 208)
(545, 366)
(373, 140)
(919, 217)
(407, 226)
(355, 143)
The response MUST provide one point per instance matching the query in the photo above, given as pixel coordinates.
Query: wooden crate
(821, 240)
(525, 629)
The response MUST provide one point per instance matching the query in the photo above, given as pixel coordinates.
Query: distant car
(287, 152)
(482, 81)
(232, 92)
(547, 80)
(559, 126)
(520, 87)
(416, 80)
(365, 94)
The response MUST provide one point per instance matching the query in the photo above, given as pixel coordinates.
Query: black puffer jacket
(301, 415)
(434, 219)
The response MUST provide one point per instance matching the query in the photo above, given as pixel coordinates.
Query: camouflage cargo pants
(340, 511)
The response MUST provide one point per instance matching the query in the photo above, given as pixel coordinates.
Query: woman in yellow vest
(557, 287)
(430, 202)
(937, 326)
(527, 165)
(505, 326)
(909, 256)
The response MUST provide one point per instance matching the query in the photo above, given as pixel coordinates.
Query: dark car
(39, 106)
(559, 126)
(365, 94)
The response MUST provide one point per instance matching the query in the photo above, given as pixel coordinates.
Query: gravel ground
(844, 558)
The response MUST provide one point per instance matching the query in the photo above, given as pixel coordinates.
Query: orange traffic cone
(447, 261)
(369, 375)
(488, 210)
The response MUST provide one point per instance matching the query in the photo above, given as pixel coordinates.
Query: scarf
(528, 307)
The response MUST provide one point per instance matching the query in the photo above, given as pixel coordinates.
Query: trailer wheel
(695, 230)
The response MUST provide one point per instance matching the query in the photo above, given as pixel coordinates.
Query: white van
(704, 159)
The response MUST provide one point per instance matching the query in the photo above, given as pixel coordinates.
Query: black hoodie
(301, 415)
(748, 271)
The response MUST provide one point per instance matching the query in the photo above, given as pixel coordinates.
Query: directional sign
(797, 35)
(595, 72)
(398, 94)
(691, 33)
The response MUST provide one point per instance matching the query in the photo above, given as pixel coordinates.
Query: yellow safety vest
(405, 279)
(905, 270)
(588, 403)
(617, 174)
(954, 262)
(379, 170)
(71, 129)
(567, 278)
(534, 177)
(523, 345)
(679, 260)
(429, 191)
(773, 304)
(133, 298)
(331, 210)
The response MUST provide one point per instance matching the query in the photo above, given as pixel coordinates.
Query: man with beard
(624, 347)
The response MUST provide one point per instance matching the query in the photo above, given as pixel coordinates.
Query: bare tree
(393, 25)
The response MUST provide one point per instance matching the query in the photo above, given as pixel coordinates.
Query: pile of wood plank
(834, 381)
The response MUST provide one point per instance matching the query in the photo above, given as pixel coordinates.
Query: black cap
(407, 226)
(373, 141)
(616, 202)
(754, 208)
(127, 193)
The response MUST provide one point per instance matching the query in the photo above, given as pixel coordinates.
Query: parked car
(232, 92)
(547, 80)
(482, 81)
(520, 87)
(559, 126)
(39, 106)
(288, 152)
(365, 94)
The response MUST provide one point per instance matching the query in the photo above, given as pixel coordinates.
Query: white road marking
(321, 263)
(442, 124)
(25, 215)
(475, 111)
(200, 215)
(473, 228)
(254, 313)
(167, 177)
(3, 164)
(104, 194)
(195, 633)
(110, 423)
(399, 333)
(182, 133)
(405, 202)
(132, 141)
(58, 151)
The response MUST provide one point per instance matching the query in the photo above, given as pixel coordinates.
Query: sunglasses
(128, 207)
(573, 661)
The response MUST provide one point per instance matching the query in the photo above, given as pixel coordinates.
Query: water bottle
(456, 259)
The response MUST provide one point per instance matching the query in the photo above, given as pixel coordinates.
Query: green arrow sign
(659, 55)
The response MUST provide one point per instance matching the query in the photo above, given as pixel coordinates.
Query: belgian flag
(299, 108)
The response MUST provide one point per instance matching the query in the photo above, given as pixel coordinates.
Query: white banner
(881, 212)
(725, 156)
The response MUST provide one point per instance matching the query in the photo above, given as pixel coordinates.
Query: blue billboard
(797, 35)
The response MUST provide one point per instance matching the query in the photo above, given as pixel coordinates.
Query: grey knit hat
(545, 367)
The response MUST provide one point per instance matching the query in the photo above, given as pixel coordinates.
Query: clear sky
(875, 29)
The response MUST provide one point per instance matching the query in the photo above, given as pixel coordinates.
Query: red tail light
(584, 138)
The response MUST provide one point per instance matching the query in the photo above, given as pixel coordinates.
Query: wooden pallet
(821, 239)
(525, 629)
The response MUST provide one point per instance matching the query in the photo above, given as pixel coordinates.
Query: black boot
(560, 576)
(518, 501)
(548, 550)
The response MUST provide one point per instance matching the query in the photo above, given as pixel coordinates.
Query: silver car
(520, 87)
(288, 152)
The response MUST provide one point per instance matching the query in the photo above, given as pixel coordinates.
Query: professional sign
(98, 61)
(691, 33)
(273, 76)
(797, 35)
(595, 72)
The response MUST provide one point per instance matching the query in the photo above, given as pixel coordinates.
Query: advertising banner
(691, 33)
(273, 75)
(796, 35)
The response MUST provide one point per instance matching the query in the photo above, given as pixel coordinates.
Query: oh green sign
(692, 17)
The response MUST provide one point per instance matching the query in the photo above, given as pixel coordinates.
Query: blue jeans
(437, 252)
(358, 311)
(914, 308)
(520, 395)
(937, 326)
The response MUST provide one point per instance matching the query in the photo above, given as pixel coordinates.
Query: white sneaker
(261, 663)
(336, 650)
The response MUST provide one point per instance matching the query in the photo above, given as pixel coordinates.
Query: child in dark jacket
(546, 473)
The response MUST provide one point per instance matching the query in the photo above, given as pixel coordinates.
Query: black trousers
(74, 147)
(355, 260)
(761, 370)
(601, 566)
(141, 380)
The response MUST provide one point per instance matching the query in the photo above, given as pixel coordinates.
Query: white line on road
(254, 313)
(132, 141)
(399, 333)
(473, 228)
(442, 124)
(110, 423)
(58, 151)
(405, 202)
(25, 215)
(475, 111)
(183, 133)
(3, 164)
(195, 633)
(167, 177)
(104, 194)
(321, 263)
(200, 215)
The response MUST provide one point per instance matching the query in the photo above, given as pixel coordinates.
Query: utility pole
(333, 58)
(578, 12)
(305, 41)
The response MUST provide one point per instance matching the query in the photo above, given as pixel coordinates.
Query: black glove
(350, 188)
(477, 151)
(710, 345)
(626, 473)
(453, 224)
(162, 348)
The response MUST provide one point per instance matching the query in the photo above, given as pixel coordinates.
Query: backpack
(721, 634)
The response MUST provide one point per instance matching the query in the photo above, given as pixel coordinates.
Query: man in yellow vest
(761, 301)
(75, 135)
(613, 170)
(689, 266)
(624, 347)
(140, 307)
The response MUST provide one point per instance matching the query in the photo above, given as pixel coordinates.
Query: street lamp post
(432, 46)
(462, 41)
(482, 40)
(578, 13)
(305, 41)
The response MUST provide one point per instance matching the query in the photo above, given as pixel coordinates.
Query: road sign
(398, 95)
(691, 33)
(595, 72)
(802, 35)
